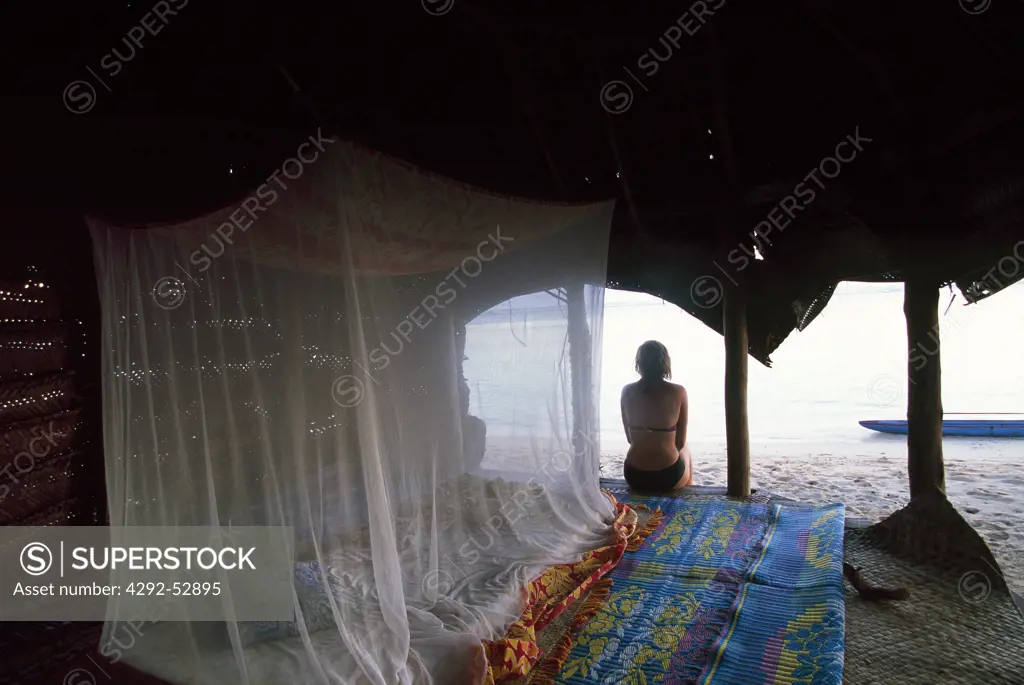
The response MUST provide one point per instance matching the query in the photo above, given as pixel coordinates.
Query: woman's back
(653, 404)
(653, 415)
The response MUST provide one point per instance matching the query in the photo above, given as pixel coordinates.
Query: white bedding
(472, 594)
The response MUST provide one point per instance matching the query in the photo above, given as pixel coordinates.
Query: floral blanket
(551, 593)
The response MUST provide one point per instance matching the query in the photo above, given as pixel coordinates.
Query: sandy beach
(984, 482)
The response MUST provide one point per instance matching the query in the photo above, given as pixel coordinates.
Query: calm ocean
(849, 365)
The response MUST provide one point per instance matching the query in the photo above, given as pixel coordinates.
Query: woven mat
(960, 625)
(720, 591)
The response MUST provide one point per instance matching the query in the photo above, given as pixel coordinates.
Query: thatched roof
(508, 96)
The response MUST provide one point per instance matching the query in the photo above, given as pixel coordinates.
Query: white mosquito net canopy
(300, 359)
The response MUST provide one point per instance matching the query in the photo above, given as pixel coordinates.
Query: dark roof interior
(508, 96)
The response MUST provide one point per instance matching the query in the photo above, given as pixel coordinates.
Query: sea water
(850, 364)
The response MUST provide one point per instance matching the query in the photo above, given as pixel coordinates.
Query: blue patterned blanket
(721, 593)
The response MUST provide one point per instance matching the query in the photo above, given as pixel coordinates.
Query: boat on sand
(979, 428)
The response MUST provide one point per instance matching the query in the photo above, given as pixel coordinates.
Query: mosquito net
(300, 359)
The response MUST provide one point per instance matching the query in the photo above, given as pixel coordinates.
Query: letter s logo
(36, 559)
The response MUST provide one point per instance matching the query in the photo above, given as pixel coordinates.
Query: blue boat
(977, 428)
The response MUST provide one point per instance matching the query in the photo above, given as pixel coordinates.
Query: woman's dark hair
(652, 361)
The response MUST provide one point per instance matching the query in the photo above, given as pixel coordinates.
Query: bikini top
(653, 430)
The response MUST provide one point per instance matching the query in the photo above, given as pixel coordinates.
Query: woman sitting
(654, 415)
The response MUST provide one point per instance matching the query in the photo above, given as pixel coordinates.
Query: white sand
(984, 481)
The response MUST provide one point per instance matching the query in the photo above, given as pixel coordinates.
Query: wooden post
(924, 387)
(734, 324)
(474, 430)
(580, 371)
(734, 304)
(460, 365)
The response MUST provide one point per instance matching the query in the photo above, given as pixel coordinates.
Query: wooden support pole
(474, 430)
(736, 431)
(580, 356)
(734, 312)
(460, 366)
(924, 387)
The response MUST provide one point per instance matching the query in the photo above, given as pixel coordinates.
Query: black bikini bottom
(661, 480)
